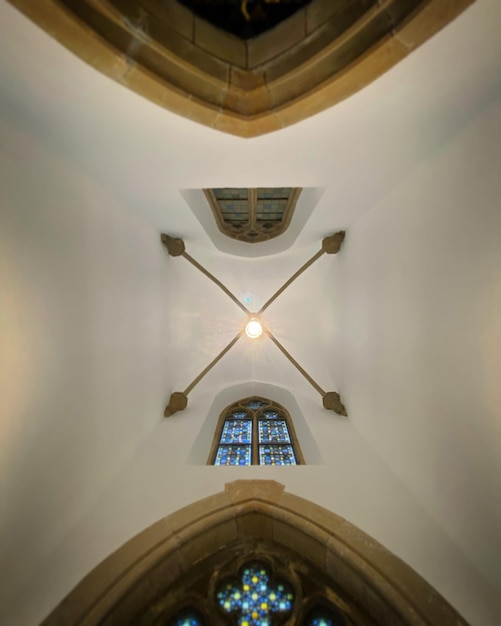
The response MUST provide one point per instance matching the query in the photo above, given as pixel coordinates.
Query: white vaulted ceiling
(99, 325)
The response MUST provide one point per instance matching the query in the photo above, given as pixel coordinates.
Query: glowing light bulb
(253, 329)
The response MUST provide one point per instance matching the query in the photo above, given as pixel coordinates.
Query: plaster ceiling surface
(100, 325)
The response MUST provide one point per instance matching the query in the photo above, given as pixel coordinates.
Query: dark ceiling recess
(245, 18)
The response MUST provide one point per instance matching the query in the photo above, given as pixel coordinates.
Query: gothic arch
(255, 514)
(324, 53)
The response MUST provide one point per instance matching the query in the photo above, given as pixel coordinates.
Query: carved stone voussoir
(174, 246)
(178, 402)
(332, 244)
(332, 402)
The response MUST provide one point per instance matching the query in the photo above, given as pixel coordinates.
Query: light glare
(253, 329)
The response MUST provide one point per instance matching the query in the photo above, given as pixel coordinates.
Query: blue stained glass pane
(187, 617)
(233, 455)
(237, 431)
(273, 192)
(271, 414)
(234, 208)
(273, 431)
(255, 404)
(239, 414)
(323, 616)
(231, 193)
(271, 209)
(276, 455)
(253, 599)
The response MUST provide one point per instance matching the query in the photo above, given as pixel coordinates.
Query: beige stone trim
(321, 55)
(260, 513)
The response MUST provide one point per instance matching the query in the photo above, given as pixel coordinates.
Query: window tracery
(253, 215)
(254, 597)
(261, 592)
(169, 574)
(255, 431)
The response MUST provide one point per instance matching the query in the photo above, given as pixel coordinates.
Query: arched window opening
(253, 215)
(271, 588)
(172, 573)
(255, 431)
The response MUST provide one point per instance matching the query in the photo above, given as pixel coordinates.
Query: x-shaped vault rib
(179, 399)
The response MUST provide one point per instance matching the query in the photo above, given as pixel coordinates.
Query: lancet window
(255, 431)
(253, 215)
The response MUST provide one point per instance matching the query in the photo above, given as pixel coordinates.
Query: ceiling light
(253, 328)
(179, 399)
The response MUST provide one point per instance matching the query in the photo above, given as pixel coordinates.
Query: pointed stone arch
(259, 516)
(325, 52)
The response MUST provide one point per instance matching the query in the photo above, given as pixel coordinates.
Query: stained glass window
(275, 431)
(237, 431)
(255, 404)
(187, 617)
(253, 215)
(255, 431)
(262, 590)
(324, 616)
(270, 414)
(233, 455)
(276, 455)
(253, 599)
(271, 204)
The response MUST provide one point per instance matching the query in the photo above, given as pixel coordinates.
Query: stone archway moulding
(391, 592)
(325, 52)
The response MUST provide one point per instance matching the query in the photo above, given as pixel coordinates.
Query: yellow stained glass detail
(254, 601)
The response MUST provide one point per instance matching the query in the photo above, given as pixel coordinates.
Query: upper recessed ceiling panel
(253, 215)
(322, 53)
(268, 218)
(245, 18)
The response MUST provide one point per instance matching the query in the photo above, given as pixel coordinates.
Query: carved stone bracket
(174, 246)
(178, 402)
(332, 244)
(332, 402)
